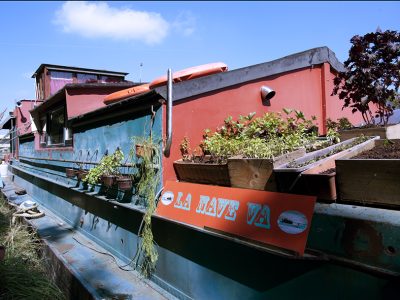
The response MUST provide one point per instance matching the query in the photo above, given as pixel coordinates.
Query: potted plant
(243, 153)
(70, 173)
(142, 147)
(106, 170)
(147, 182)
(371, 177)
(124, 182)
(372, 81)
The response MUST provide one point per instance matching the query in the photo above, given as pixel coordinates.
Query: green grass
(22, 272)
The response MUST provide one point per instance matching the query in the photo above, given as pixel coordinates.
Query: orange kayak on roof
(191, 73)
(132, 91)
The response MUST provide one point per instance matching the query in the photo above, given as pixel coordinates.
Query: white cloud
(99, 20)
(185, 23)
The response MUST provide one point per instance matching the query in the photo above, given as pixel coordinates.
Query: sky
(147, 38)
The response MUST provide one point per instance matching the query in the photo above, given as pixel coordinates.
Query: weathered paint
(363, 234)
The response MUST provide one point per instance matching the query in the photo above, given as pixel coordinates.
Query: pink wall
(301, 89)
(23, 117)
(81, 101)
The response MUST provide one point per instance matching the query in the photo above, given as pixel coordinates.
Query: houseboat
(347, 251)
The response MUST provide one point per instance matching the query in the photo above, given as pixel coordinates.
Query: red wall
(334, 104)
(306, 90)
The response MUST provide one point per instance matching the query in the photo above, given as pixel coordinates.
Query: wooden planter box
(206, 173)
(251, 173)
(369, 181)
(254, 173)
(307, 180)
(388, 132)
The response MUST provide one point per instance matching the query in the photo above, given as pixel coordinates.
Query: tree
(372, 76)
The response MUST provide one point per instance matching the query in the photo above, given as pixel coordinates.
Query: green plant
(344, 123)
(184, 147)
(147, 183)
(108, 165)
(263, 137)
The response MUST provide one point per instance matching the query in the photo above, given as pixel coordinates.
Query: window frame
(46, 125)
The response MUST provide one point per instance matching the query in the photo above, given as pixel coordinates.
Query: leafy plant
(184, 147)
(108, 165)
(148, 181)
(372, 75)
(344, 123)
(263, 137)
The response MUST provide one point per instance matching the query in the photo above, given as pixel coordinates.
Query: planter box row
(251, 173)
(314, 174)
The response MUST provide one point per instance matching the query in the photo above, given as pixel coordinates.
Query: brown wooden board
(369, 181)
(254, 173)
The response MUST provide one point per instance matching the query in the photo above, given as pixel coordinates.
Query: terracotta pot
(143, 151)
(124, 183)
(82, 174)
(71, 173)
(108, 180)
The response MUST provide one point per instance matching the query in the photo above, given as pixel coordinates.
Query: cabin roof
(301, 60)
(78, 70)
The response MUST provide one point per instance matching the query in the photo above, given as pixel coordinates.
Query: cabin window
(58, 80)
(86, 78)
(107, 79)
(55, 133)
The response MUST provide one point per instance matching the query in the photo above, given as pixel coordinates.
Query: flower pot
(108, 180)
(70, 173)
(143, 151)
(81, 174)
(205, 173)
(369, 181)
(124, 183)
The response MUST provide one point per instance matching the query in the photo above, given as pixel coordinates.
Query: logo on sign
(167, 198)
(292, 222)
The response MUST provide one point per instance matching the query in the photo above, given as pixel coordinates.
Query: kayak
(132, 91)
(190, 73)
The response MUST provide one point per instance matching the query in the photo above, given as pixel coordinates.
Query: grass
(22, 272)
